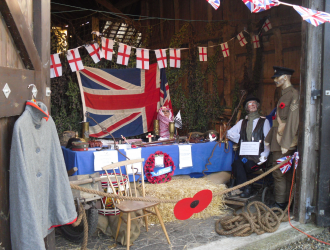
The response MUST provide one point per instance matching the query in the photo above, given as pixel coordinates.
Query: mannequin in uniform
(282, 138)
(254, 128)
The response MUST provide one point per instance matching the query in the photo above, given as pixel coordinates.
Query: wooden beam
(177, 15)
(20, 33)
(95, 25)
(123, 4)
(18, 81)
(41, 36)
(112, 8)
(161, 11)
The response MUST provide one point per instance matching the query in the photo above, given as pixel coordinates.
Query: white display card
(185, 156)
(104, 158)
(159, 161)
(249, 148)
(133, 154)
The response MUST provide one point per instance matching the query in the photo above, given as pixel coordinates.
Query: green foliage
(58, 41)
(198, 106)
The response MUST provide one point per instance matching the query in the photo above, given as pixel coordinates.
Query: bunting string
(106, 51)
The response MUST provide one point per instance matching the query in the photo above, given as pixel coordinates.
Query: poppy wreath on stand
(149, 167)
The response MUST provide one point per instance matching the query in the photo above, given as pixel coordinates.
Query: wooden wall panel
(282, 44)
(9, 56)
(27, 11)
(6, 131)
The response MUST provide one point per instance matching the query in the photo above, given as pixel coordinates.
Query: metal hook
(34, 91)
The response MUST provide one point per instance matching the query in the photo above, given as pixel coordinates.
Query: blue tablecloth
(221, 161)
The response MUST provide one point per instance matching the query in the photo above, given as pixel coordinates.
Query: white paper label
(159, 161)
(104, 158)
(249, 148)
(185, 156)
(134, 154)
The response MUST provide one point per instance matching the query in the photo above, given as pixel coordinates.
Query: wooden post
(323, 201)
(95, 26)
(161, 11)
(311, 69)
(177, 15)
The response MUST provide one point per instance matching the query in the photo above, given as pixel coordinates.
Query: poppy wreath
(186, 207)
(150, 165)
(282, 105)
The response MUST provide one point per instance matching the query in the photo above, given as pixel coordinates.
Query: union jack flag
(286, 167)
(312, 16)
(215, 3)
(124, 101)
(256, 6)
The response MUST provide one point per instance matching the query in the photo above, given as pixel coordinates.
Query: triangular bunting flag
(225, 49)
(241, 38)
(161, 58)
(142, 58)
(107, 48)
(202, 54)
(215, 3)
(314, 17)
(74, 60)
(175, 58)
(55, 66)
(124, 52)
(256, 42)
(94, 52)
(267, 25)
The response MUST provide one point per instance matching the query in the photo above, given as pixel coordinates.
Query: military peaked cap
(278, 71)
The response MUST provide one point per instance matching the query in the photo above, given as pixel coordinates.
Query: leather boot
(247, 192)
(280, 205)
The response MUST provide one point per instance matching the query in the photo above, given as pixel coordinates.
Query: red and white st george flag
(161, 58)
(241, 39)
(225, 49)
(202, 54)
(256, 42)
(142, 58)
(94, 52)
(107, 48)
(55, 66)
(175, 58)
(124, 52)
(74, 60)
(267, 25)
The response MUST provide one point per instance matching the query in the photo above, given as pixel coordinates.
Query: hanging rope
(82, 216)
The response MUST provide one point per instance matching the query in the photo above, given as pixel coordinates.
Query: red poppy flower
(282, 105)
(274, 117)
(185, 208)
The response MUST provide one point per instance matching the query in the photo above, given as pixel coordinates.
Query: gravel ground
(310, 244)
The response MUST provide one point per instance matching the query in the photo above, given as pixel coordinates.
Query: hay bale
(184, 188)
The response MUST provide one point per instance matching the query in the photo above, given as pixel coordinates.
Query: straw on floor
(180, 188)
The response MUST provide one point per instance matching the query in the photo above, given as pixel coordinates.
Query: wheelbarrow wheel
(76, 234)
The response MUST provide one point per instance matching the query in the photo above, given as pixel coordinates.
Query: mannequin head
(251, 104)
(282, 76)
(283, 81)
(166, 112)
